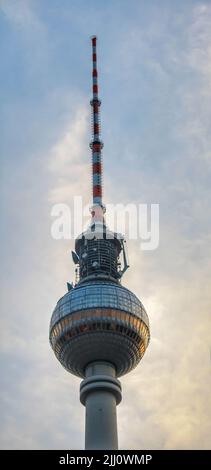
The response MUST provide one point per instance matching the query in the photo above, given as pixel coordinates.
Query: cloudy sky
(155, 86)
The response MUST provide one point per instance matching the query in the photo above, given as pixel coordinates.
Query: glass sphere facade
(99, 321)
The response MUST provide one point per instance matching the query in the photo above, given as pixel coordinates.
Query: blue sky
(155, 86)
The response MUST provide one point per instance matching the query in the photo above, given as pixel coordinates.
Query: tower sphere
(99, 321)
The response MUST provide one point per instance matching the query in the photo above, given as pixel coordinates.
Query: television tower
(99, 329)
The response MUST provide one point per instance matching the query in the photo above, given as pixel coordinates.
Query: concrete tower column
(100, 392)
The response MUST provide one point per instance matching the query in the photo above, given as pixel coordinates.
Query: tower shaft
(100, 392)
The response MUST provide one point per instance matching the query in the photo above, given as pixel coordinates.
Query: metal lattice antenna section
(96, 144)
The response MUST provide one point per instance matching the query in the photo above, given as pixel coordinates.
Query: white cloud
(21, 13)
(70, 160)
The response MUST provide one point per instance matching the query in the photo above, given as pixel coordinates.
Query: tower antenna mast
(96, 144)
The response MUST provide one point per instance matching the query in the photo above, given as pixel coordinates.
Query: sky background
(155, 86)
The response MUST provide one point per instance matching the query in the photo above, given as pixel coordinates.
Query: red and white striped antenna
(96, 144)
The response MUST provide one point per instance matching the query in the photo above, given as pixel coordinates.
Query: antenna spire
(96, 144)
